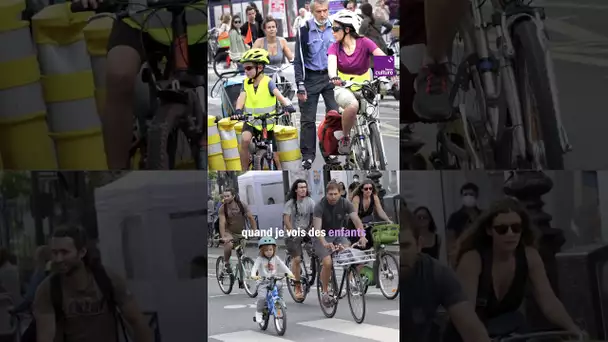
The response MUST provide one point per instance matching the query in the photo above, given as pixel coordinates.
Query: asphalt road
(579, 43)
(389, 119)
(231, 317)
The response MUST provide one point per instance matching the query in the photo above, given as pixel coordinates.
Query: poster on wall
(277, 8)
(335, 6)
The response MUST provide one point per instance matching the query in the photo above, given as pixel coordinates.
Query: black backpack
(107, 290)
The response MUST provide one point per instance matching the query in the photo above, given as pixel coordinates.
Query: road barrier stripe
(363, 330)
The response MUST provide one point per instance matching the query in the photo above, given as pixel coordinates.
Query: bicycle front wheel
(246, 266)
(163, 136)
(377, 150)
(354, 290)
(388, 269)
(534, 80)
(332, 287)
(280, 318)
(223, 277)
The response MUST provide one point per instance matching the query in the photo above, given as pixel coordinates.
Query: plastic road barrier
(289, 147)
(230, 144)
(215, 155)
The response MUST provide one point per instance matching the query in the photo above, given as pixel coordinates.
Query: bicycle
(307, 280)
(261, 147)
(367, 147)
(241, 273)
(177, 97)
(213, 235)
(286, 88)
(515, 121)
(213, 44)
(354, 285)
(220, 60)
(275, 306)
(383, 232)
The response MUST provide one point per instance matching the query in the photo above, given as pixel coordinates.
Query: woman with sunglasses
(367, 202)
(497, 260)
(431, 242)
(237, 44)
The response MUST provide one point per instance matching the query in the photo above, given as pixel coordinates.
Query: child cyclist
(267, 264)
(259, 96)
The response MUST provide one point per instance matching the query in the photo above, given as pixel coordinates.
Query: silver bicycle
(287, 88)
(504, 92)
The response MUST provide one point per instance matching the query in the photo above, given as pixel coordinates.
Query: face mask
(320, 23)
(469, 201)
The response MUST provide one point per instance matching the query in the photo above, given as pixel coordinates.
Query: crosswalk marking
(390, 313)
(372, 332)
(248, 336)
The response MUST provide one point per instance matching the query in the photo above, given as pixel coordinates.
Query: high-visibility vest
(260, 102)
(367, 76)
(157, 23)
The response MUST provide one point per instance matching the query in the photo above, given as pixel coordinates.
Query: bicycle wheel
(291, 286)
(280, 318)
(246, 266)
(314, 265)
(377, 151)
(218, 61)
(332, 287)
(385, 271)
(221, 276)
(264, 323)
(533, 76)
(354, 287)
(162, 136)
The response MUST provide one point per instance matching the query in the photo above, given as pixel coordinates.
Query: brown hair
(274, 250)
(269, 19)
(359, 190)
(333, 185)
(475, 237)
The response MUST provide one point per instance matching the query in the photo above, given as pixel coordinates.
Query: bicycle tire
(352, 270)
(264, 324)
(219, 266)
(393, 295)
(314, 265)
(163, 129)
(247, 260)
(374, 136)
(291, 285)
(530, 51)
(219, 59)
(283, 311)
(331, 311)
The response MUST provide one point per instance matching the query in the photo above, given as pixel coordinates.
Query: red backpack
(327, 140)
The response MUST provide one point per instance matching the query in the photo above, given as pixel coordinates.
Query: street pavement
(231, 316)
(389, 118)
(579, 43)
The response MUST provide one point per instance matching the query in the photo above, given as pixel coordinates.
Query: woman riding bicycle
(369, 207)
(258, 97)
(349, 60)
(497, 260)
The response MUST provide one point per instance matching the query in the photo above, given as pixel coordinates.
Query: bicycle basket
(351, 256)
(385, 233)
(232, 90)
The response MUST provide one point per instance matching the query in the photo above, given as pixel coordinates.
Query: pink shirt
(358, 63)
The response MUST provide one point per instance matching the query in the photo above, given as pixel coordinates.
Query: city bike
(504, 93)
(386, 267)
(348, 262)
(307, 275)
(241, 274)
(177, 97)
(287, 89)
(275, 306)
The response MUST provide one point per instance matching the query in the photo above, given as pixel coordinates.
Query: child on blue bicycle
(267, 265)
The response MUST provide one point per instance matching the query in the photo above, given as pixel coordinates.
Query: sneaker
(325, 300)
(344, 145)
(259, 317)
(307, 164)
(299, 294)
(228, 268)
(432, 99)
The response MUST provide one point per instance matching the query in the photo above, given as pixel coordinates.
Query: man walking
(310, 65)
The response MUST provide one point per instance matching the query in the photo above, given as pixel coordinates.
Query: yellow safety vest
(157, 23)
(260, 102)
(356, 78)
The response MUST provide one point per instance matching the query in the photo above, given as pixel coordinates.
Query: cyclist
(258, 96)
(497, 261)
(368, 205)
(232, 222)
(329, 218)
(298, 215)
(427, 284)
(267, 265)
(349, 60)
(128, 45)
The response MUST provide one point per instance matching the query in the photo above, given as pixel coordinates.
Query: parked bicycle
(386, 268)
(275, 307)
(506, 98)
(241, 273)
(307, 275)
(348, 262)
(177, 97)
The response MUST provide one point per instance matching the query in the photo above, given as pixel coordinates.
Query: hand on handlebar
(362, 242)
(289, 109)
(256, 277)
(237, 115)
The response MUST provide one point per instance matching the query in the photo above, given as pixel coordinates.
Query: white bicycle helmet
(348, 18)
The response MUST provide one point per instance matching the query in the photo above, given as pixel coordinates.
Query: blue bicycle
(275, 306)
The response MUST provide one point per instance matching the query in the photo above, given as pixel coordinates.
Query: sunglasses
(237, 22)
(502, 229)
(336, 28)
(367, 189)
(249, 67)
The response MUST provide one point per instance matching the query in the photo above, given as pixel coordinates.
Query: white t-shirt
(268, 268)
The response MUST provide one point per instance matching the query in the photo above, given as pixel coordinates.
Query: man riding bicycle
(232, 222)
(258, 97)
(349, 60)
(329, 218)
(129, 43)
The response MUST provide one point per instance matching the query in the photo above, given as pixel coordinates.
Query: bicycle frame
(272, 297)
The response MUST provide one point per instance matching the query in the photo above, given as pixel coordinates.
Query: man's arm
(298, 62)
(251, 219)
(287, 215)
(130, 310)
(44, 313)
(222, 222)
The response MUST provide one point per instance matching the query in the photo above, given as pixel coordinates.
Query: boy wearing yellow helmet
(258, 96)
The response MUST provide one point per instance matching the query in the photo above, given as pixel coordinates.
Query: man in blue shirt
(310, 66)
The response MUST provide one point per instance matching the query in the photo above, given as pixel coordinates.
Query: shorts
(258, 133)
(124, 35)
(294, 246)
(344, 96)
(321, 252)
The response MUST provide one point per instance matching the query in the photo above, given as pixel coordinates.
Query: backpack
(329, 132)
(105, 285)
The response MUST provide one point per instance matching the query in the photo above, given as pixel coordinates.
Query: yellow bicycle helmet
(255, 56)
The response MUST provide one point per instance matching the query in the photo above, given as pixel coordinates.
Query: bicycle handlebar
(249, 117)
(277, 68)
(348, 84)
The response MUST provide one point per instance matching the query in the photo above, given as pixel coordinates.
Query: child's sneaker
(259, 317)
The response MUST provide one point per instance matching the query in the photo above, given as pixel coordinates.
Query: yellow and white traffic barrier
(69, 87)
(97, 35)
(289, 147)
(230, 144)
(238, 129)
(24, 136)
(215, 155)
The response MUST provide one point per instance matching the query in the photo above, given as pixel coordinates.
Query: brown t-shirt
(235, 222)
(87, 316)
